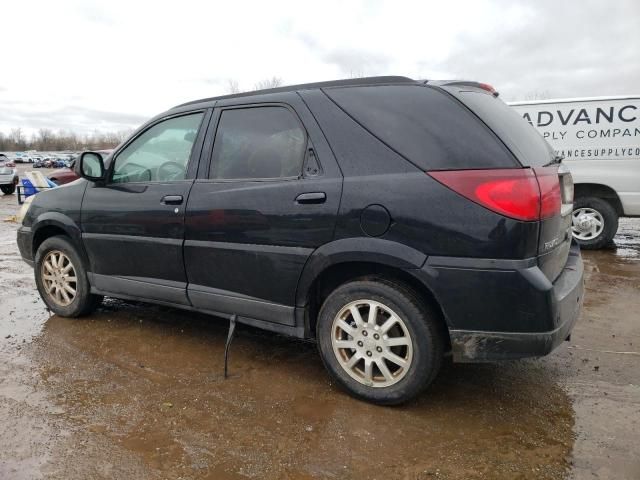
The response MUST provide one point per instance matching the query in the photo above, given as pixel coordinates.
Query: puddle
(137, 391)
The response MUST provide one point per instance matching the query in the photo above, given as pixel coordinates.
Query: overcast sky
(110, 65)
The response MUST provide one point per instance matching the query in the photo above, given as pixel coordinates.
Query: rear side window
(428, 127)
(258, 143)
(522, 139)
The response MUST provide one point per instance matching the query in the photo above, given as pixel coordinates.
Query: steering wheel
(171, 171)
(136, 171)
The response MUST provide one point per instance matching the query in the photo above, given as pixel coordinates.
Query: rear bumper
(8, 179)
(509, 314)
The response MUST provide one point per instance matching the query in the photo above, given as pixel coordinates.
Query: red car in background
(67, 175)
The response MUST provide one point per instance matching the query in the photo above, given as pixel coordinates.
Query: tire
(8, 189)
(419, 329)
(593, 237)
(58, 253)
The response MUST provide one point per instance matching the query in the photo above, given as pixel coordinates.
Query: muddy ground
(137, 392)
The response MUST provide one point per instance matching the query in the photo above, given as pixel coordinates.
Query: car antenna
(230, 335)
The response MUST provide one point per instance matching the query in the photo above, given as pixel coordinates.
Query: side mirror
(91, 166)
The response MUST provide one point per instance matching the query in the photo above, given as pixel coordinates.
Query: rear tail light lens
(550, 196)
(516, 193)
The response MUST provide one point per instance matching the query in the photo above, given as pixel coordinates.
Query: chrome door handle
(172, 200)
(311, 198)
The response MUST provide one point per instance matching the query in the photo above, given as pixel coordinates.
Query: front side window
(258, 143)
(160, 154)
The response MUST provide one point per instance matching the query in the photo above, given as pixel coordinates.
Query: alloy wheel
(376, 352)
(59, 278)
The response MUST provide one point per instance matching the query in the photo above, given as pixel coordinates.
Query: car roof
(364, 81)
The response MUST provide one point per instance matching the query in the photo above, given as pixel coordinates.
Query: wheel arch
(362, 258)
(599, 190)
(52, 224)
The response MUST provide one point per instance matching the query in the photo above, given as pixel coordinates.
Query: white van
(599, 139)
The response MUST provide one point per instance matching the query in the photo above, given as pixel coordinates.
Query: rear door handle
(311, 197)
(172, 199)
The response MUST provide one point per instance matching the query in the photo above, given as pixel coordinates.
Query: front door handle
(172, 200)
(311, 197)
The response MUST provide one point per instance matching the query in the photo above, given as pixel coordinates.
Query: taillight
(516, 193)
(550, 196)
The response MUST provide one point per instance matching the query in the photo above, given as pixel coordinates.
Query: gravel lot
(137, 391)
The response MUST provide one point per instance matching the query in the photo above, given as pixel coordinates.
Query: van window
(258, 143)
(424, 125)
(160, 154)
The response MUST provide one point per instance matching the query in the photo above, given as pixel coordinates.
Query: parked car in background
(22, 158)
(391, 220)
(67, 173)
(599, 139)
(37, 164)
(8, 177)
(64, 175)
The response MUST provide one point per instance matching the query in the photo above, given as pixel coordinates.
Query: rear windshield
(428, 127)
(522, 139)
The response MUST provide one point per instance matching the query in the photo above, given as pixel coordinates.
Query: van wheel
(594, 222)
(62, 279)
(379, 341)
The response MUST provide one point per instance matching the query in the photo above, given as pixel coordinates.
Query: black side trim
(298, 332)
(249, 246)
(141, 288)
(132, 238)
(207, 298)
(253, 311)
(481, 263)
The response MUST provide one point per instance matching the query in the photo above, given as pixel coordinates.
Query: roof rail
(382, 80)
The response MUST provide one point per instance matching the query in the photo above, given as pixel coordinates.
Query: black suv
(395, 221)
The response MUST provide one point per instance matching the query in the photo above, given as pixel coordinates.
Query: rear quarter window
(427, 126)
(522, 139)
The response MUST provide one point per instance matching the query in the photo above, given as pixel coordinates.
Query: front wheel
(594, 222)
(379, 341)
(62, 279)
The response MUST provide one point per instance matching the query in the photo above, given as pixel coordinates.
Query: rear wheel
(379, 341)
(8, 189)
(62, 279)
(594, 222)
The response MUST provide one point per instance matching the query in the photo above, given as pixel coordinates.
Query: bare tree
(537, 95)
(48, 140)
(17, 138)
(272, 82)
(232, 86)
(44, 139)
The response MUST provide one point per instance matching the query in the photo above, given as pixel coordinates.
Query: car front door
(268, 199)
(133, 224)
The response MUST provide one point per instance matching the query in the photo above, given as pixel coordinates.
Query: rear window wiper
(556, 160)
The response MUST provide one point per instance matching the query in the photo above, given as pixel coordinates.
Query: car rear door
(133, 225)
(268, 198)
